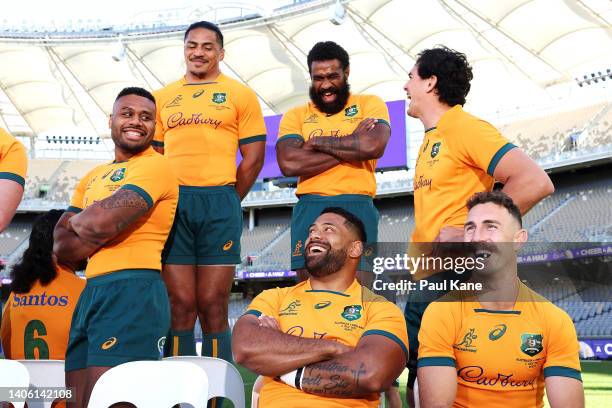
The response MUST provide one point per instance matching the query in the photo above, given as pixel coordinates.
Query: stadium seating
(12, 237)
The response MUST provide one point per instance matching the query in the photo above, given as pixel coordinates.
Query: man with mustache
(13, 168)
(461, 154)
(328, 341)
(332, 144)
(119, 217)
(202, 121)
(503, 346)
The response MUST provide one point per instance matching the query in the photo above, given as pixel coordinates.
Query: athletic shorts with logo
(207, 227)
(121, 316)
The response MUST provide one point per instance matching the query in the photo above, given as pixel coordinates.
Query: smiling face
(330, 245)
(132, 124)
(202, 54)
(495, 235)
(329, 90)
(417, 90)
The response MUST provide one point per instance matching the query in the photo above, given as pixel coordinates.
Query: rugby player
(13, 168)
(120, 216)
(460, 155)
(503, 347)
(332, 144)
(328, 341)
(36, 318)
(202, 121)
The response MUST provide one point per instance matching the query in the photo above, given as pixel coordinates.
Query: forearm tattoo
(333, 379)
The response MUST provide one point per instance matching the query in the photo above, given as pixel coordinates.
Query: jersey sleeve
(266, 303)
(5, 329)
(290, 126)
(562, 357)
(13, 161)
(385, 319)
(77, 203)
(158, 138)
(481, 145)
(376, 108)
(251, 125)
(436, 336)
(152, 179)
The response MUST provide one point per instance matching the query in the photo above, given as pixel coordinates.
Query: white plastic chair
(255, 393)
(13, 374)
(415, 390)
(224, 380)
(152, 384)
(44, 374)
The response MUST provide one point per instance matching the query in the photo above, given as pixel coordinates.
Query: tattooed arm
(268, 351)
(104, 220)
(372, 367)
(295, 158)
(367, 142)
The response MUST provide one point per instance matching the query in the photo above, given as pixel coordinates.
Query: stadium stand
(13, 236)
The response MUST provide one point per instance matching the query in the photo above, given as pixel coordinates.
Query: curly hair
(452, 70)
(496, 197)
(37, 261)
(325, 51)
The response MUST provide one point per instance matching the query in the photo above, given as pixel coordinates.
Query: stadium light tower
(337, 13)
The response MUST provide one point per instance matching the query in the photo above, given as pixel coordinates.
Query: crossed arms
(78, 236)
(331, 369)
(321, 153)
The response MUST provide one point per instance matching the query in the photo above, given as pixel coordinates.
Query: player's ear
(356, 249)
(432, 81)
(347, 71)
(221, 54)
(520, 237)
(110, 121)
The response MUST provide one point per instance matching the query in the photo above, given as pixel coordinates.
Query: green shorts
(308, 209)
(121, 316)
(207, 227)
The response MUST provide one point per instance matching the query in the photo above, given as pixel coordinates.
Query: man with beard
(202, 121)
(328, 341)
(119, 217)
(502, 346)
(332, 144)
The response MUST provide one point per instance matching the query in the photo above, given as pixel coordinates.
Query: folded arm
(297, 159)
(270, 352)
(367, 142)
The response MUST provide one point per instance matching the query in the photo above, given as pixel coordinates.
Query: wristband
(294, 378)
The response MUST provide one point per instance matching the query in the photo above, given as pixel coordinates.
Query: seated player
(506, 345)
(328, 341)
(36, 318)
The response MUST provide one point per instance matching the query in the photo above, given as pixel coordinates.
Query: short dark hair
(208, 26)
(36, 263)
(134, 90)
(452, 70)
(496, 197)
(350, 219)
(325, 51)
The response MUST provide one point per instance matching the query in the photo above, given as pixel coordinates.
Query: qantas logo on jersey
(475, 374)
(175, 102)
(39, 300)
(178, 119)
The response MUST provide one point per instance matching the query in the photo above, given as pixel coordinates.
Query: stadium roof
(64, 82)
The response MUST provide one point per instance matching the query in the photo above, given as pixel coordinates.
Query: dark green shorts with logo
(207, 227)
(309, 208)
(121, 316)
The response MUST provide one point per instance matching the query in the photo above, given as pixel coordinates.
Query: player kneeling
(328, 341)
